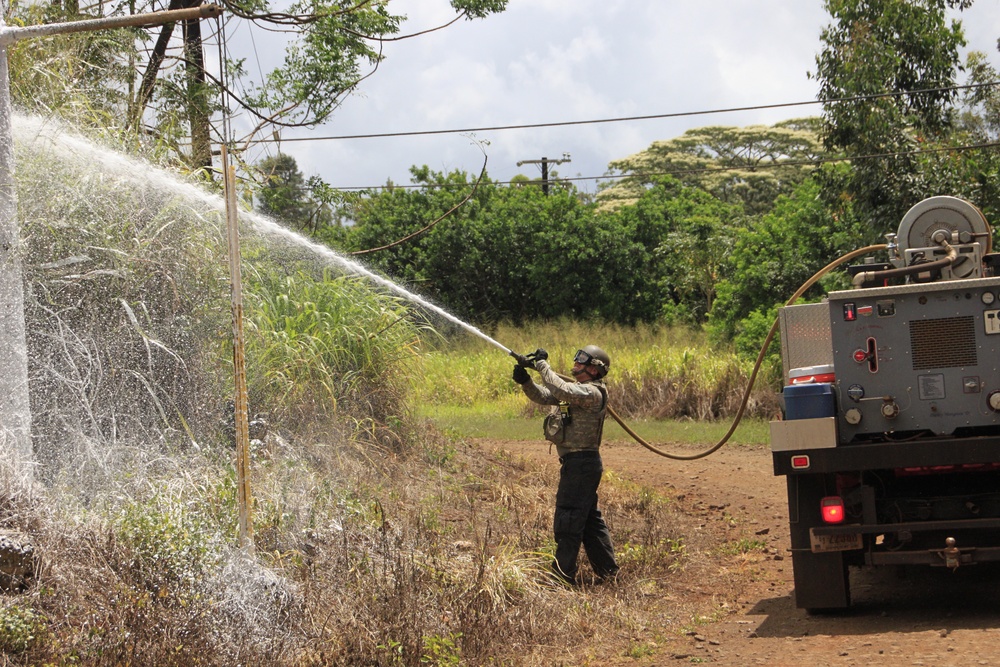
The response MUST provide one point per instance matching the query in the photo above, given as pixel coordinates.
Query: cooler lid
(806, 371)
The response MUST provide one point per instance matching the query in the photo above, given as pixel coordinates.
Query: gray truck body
(911, 440)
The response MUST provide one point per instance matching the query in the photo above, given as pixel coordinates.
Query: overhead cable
(699, 170)
(679, 114)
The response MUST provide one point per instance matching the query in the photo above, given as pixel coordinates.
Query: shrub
(20, 628)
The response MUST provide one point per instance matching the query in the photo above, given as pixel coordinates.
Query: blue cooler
(809, 401)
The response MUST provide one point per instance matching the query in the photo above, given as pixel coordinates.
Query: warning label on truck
(930, 387)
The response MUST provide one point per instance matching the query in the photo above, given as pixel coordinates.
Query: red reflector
(800, 462)
(832, 509)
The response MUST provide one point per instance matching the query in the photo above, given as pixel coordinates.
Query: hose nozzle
(524, 360)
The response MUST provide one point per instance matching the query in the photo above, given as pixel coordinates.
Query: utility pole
(545, 162)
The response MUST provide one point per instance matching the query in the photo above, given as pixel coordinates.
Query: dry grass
(435, 557)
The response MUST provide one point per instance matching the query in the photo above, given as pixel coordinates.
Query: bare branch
(282, 18)
(410, 36)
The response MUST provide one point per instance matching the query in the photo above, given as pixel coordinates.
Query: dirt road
(899, 616)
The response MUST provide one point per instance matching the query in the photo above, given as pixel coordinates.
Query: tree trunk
(201, 136)
(152, 71)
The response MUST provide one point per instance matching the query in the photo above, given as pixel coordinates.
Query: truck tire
(822, 583)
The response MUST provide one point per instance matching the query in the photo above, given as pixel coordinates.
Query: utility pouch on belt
(554, 426)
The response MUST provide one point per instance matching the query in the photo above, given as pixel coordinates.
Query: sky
(553, 61)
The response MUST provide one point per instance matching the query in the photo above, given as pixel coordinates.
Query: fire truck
(890, 433)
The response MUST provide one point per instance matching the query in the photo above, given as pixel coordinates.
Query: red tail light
(832, 509)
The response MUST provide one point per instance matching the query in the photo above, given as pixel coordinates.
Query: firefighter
(575, 425)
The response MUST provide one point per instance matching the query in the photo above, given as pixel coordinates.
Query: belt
(582, 454)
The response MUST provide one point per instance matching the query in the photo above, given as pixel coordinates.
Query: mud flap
(821, 579)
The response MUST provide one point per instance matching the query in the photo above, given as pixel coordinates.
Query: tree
(774, 256)
(282, 194)
(972, 173)
(508, 254)
(874, 47)
(980, 115)
(335, 45)
(678, 236)
(305, 204)
(745, 165)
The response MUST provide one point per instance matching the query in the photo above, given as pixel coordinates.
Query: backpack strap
(604, 409)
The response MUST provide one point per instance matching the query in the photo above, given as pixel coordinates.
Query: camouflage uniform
(577, 518)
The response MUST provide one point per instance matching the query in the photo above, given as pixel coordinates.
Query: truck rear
(890, 437)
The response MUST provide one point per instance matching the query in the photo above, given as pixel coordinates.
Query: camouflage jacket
(587, 403)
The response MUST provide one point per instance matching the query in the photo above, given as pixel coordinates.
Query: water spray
(138, 170)
(15, 408)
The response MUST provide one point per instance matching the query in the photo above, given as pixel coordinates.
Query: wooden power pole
(545, 162)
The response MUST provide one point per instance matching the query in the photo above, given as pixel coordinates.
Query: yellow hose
(756, 368)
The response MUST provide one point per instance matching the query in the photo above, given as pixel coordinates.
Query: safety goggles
(582, 357)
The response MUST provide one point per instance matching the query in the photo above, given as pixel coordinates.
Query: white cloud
(547, 61)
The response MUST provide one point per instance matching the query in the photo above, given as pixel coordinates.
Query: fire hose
(756, 368)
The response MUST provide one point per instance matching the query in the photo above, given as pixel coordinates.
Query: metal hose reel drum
(934, 222)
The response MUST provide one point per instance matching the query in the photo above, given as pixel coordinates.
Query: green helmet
(591, 355)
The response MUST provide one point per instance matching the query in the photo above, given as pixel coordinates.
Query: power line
(679, 114)
(705, 170)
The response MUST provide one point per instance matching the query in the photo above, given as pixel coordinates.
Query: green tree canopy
(873, 47)
(678, 236)
(506, 254)
(739, 165)
(515, 254)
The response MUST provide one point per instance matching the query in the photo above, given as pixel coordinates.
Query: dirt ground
(919, 616)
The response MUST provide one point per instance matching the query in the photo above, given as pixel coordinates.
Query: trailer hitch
(950, 554)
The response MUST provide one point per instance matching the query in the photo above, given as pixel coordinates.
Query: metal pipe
(872, 276)
(9, 34)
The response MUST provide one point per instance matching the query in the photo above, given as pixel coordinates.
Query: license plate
(844, 542)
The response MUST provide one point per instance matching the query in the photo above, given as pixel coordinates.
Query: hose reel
(932, 225)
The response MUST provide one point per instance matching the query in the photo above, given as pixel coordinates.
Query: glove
(522, 360)
(520, 375)
(540, 355)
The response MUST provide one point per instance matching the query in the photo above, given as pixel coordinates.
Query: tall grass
(319, 346)
(125, 299)
(656, 372)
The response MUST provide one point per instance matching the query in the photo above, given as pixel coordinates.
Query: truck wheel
(821, 579)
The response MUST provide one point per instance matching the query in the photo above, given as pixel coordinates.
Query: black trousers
(577, 519)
